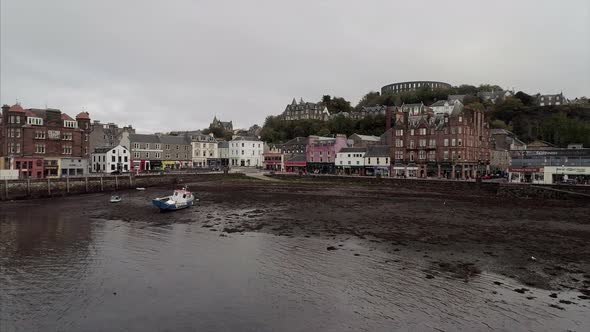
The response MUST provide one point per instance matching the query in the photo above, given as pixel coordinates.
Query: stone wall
(36, 188)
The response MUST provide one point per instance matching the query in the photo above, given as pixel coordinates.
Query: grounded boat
(140, 188)
(115, 199)
(180, 199)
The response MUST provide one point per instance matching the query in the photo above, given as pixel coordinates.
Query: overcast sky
(173, 65)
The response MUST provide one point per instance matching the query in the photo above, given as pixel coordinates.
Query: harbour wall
(38, 188)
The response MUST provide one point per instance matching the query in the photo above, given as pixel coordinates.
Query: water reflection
(64, 271)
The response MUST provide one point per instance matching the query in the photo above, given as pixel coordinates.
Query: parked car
(486, 177)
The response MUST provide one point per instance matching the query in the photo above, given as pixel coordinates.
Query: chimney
(388, 118)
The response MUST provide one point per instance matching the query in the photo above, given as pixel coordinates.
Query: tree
(370, 99)
(324, 132)
(525, 98)
(498, 124)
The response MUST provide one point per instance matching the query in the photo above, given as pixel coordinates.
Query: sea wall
(508, 190)
(36, 188)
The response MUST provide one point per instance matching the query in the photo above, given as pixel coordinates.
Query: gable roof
(344, 150)
(170, 139)
(377, 151)
(367, 137)
(144, 138)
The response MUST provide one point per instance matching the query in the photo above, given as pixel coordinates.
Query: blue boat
(180, 199)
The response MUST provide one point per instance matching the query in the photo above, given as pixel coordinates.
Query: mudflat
(541, 243)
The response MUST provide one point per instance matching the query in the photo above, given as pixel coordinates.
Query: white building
(377, 160)
(446, 107)
(350, 160)
(108, 160)
(246, 151)
(205, 150)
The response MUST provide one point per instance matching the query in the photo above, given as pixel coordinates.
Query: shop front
(377, 171)
(29, 167)
(526, 175)
(569, 175)
(51, 167)
(73, 167)
(405, 171)
(138, 166)
(156, 165)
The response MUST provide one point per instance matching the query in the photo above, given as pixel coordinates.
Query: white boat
(180, 199)
(115, 199)
(140, 188)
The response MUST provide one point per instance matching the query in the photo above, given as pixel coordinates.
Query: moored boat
(115, 199)
(180, 199)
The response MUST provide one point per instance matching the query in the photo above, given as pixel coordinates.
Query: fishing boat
(180, 199)
(115, 199)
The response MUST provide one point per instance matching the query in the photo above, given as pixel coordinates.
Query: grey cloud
(174, 64)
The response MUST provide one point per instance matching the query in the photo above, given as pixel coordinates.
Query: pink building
(320, 152)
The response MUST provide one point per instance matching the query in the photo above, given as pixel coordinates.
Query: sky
(174, 65)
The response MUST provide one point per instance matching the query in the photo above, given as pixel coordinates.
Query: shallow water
(62, 270)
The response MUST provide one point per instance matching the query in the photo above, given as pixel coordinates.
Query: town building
(368, 111)
(225, 125)
(550, 166)
(177, 151)
(104, 135)
(294, 157)
(502, 142)
(494, 96)
(44, 142)
(205, 150)
(223, 151)
(321, 152)
(350, 161)
(274, 158)
(246, 151)
(305, 111)
(425, 144)
(446, 106)
(377, 161)
(362, 141)
(146, 152)
(110, 159)
(413, 86)
(551, 100)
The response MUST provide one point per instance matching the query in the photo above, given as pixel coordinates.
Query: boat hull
(165, 206)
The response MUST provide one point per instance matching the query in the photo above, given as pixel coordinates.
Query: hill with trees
(559, 125)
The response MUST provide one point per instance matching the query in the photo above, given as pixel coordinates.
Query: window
(178, 147)
(432, 143)
(136, 145)
(368, 160)
(399, 143)
(453, 142)
(411, 132)
(422, 155)
(242, 144)
(147, 146)
(67, 149)
(377, 161)
(112, 167)
(348, 162)
(446, 155)
(460, 120)
(460, 130)
(446, 142)
(158, 155)
(399, 132)
(17, 130)
(147, 155)
(411, 156)
(113, 158)
(411, 144)
(422, 142)
(136, 155)
(158, 146)
(66, 136)
(460, 142)
(70, 124)
(422, 131)
(431, 155)
(17, 148)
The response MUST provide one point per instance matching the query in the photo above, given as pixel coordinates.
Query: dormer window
(35, 121)
(70, 124)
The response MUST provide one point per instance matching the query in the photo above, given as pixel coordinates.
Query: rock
(330, 248)
(556, 306)
(566, 302)
(429, 276)
(521, 290)
(530, 297)
(498, 283)
(553, 295)
(584, 297)
(357, 254)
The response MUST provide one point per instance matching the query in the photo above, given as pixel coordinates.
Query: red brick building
(453, 144)
(43, 142)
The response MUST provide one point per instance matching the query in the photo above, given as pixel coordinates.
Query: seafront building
(205, 150)
(105, 135)
(550, 165)
(246, 151)
(453, 145)
(321, 152)
(274, 158)
(42, 143)
(110, 159)
(350, 161)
